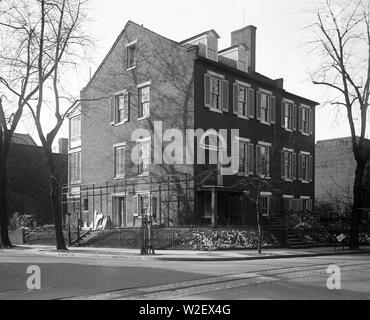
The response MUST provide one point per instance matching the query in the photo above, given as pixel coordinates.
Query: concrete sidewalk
(185, 255)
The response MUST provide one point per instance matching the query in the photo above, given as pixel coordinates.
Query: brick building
(28, 184)
(335, 174)
(151, 83)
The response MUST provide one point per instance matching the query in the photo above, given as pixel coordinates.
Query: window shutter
(300, 119)
(283, 174)
(294, 166)
(310, 169)
(136, 206)
(251, 159)
(294, 117)
(207, 90)
(235, 98)
(311, 124)
(258, 160)
(127, 107)
(300, 167)
(300, 205)
(272, 109)
(283, 114)
(113, 110)
(225, 95)
(258, 105)
(250, 103)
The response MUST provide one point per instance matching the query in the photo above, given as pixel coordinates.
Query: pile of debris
(22, 221)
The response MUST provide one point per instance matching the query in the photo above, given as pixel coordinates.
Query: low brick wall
(17, 237)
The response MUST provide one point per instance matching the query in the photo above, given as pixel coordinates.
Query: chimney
(247, 37)
(63, 145)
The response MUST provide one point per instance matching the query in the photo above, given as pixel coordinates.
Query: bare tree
(342, 38)
(59, 43)
(18, 84)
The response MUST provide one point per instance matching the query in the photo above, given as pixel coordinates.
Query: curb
(196, 259)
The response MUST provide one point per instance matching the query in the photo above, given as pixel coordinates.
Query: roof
(199, 35)
(24, 139)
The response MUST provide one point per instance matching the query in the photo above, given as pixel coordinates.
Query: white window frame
(72, 154)
(268, 197)
(116, 147)
(288, 103)
(140, 102)
(129, 47)
(140, 142)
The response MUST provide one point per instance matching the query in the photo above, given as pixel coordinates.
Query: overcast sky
(281, 36)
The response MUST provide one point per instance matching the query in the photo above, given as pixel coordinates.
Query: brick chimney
(247, 37)
(63, 145)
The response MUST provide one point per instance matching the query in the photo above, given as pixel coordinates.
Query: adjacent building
(150, 92)
(28, 180)
(335, 174)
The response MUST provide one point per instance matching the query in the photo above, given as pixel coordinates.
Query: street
(88, 277)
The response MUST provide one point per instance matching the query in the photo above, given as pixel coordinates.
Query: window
(131, 56)
(246, 158)
(216, 92)
(288, 165)
(75, 168)
(288, 203)
(288, 116)
(265, 202)
(305, 120)
(266, 107)
(119, 161)
(263, 161)
(75, 132)
(144, 102)
(120, 108)
(305, 167)
(306, 204)
(142, 205)
(242, 102)
(144, 157)
(86, 205)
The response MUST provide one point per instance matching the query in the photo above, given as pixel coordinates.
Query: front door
(120, 212)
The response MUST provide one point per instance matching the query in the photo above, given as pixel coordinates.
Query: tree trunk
(5, 242)
(55, 201)
(357, 205)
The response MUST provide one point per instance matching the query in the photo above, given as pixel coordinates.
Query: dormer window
(207, 43)
(131, 55)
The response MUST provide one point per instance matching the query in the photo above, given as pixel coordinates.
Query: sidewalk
(184, 255)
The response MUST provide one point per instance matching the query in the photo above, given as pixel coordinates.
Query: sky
(281, 41)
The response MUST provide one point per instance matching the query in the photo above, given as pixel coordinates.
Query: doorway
(119, 212)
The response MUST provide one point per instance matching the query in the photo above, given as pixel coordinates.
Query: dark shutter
(272, 109)
(283, 174)
(294, 127)
(259, 105)
(250, 159)
(127, 107)
(300, 119)
(225, 95)
(251, 103)
(207, 90)
(113, 110)
(294, 166)
(258, 160)
(235, 98)
(300, 167)
(311, 124)
(283, 114)
(310, 168)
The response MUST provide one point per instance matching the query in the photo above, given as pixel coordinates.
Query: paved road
(107, 278)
